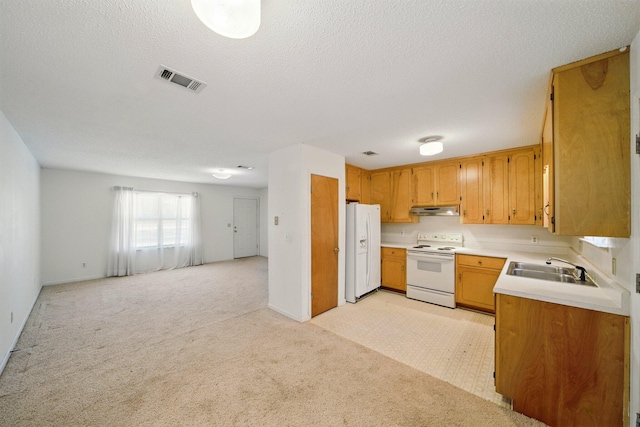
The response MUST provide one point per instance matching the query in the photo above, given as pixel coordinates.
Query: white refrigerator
(363, 250)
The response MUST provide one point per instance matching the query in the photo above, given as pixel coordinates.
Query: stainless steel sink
(546, 272)
(538, 267)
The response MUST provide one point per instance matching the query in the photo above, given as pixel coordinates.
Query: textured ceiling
(77, 79)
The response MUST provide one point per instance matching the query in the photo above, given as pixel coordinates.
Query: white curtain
(122, 249)
(165, 232)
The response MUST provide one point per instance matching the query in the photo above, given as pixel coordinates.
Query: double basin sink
(547, 272)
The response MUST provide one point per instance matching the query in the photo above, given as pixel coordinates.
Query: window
(162, 220)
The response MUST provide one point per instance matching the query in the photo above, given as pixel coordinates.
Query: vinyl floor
(454, 345)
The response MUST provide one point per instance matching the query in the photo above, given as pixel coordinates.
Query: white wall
(264, 215)
(19, 236)
(290, 172)
(77, 212)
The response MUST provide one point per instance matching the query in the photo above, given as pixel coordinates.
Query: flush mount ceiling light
(431, 145)
(221, 174)
(236, 19)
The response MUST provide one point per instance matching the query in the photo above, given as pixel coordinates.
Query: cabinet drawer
(393, 252)
(481, 261)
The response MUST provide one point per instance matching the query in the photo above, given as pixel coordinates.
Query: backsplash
(500, 237)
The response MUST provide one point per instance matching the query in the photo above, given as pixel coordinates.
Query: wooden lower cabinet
(476, 277)
(565, 366)
(394, 269)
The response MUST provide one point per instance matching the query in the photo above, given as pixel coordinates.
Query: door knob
(336, 250)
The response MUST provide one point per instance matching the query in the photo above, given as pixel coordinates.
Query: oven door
(431, 271)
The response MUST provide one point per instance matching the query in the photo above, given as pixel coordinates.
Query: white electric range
(431, 275)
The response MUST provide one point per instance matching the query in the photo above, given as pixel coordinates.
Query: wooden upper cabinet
(591, 133)
(522, 187)
(447, 183)
(471, 204)
(354, 186)
(381, 193)
(495, 187)
(365, 186)
(401, 195)
(423, 186)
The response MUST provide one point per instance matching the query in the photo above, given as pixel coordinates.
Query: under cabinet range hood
(436, 210)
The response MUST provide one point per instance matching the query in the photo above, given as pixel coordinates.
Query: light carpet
(198, 347)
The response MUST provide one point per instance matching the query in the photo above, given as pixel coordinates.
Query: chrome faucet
(583, 271)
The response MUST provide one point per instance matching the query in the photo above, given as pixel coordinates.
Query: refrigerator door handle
(368, 250)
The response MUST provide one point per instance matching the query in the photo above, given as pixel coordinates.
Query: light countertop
(608, 296)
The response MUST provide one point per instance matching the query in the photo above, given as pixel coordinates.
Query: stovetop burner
(432, 242)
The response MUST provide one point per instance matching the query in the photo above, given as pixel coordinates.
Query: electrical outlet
(402, 232)
(534, 240)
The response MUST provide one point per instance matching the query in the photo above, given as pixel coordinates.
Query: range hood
(436, 210)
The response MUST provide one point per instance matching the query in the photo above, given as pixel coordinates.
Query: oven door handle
(416, 255)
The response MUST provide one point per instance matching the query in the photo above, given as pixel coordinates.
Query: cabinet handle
(479, 262)
(464, 212)
(432, 195)
(437, 194)
(460, 276)
(487, 211)
(514, 211)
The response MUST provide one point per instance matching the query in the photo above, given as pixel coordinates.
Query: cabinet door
(393, 273)
(548, 201)
(423, 194)
(562, 365)
(353, 192)
(522, 188)
(447, 183)
(401, 193)
(591, 148)
(475, 288)
(471, 191)
(495, 185)
(365, 186)
(381, 193)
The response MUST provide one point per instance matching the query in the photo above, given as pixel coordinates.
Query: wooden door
(324, 244)
(495, 185)
(423, 194)
(471, 191)
(401, 193)
(381, 193)
(522, 188)
(447, 184)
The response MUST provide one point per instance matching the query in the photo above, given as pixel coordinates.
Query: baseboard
(286, 313)
(5, 358)
(74, 280)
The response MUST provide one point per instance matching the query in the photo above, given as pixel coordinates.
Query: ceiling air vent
(369, 153)
(167, 74)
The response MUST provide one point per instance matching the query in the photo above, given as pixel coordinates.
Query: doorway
(245, 227)
(324, 244)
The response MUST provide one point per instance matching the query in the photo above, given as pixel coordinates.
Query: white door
(245, 227)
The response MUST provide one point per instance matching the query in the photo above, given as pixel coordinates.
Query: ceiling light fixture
(222, 174)
(236, 19)
(431, 145)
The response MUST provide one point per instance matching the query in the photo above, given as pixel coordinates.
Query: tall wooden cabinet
(586, 145)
